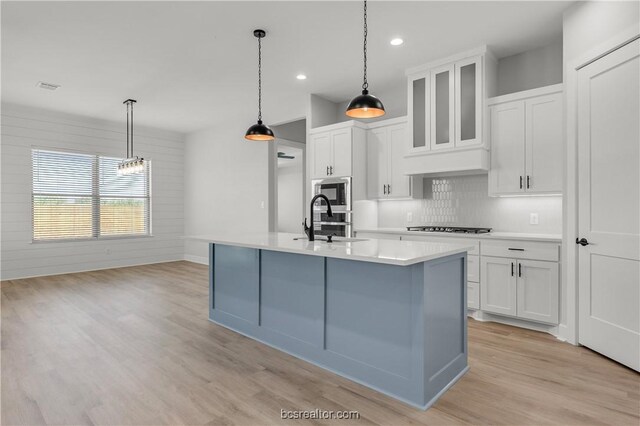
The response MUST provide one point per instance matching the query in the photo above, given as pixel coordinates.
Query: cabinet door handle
(389, 189)
(327, 170)
(520, 182)
(331, 170)
(384, 189)
(520, 269)
(515, 249)
(528, 181)
(511, 268)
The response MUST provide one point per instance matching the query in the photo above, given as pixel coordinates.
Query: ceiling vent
(48, 86)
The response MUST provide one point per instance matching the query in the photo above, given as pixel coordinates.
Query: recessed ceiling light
(301, 77)
(48, 86)
(397, 42)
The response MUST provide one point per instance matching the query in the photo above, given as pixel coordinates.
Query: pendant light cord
(365, 84)
(259, 79)
(131, 104)
(128, 156)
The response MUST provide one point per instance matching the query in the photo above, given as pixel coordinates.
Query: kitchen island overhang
(390, 315)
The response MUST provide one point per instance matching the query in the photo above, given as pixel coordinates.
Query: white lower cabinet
(526, 289)
(498, 292)
(538, 289)
(515, 278)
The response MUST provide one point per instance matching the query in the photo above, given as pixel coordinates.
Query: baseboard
(483, 316)
(197, 259)
(79, 271)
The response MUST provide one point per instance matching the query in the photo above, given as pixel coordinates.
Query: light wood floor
(134, 346)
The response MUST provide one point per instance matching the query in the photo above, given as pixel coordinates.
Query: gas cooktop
(453, 229)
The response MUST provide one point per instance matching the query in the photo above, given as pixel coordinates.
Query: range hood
(458, 161)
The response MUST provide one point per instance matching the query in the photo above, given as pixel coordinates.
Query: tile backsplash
(463, 201)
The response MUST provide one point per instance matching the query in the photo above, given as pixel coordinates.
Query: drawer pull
(511, 268)
(515, 249)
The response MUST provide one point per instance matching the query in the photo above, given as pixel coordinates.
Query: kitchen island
(388, 314)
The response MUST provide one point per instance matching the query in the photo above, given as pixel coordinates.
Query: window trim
(95, 200)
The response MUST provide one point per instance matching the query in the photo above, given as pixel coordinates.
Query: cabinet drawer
(446, 240)
(473, 268)
(522, 250)
(473, 295)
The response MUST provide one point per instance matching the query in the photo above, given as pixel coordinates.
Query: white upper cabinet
(322, 155)
(419, 112)
(341, 150)
(507, 148)
(469, 102)
(442, 107)
(526, 142)
(543, 130)
(387, 145)
(331, 152)
(445, 107)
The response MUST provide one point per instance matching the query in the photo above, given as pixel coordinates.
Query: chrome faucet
(309, 229)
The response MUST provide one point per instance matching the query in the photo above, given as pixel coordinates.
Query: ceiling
(192, 65)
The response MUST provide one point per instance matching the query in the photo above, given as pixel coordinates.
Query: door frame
(569, 329)
(273, 172)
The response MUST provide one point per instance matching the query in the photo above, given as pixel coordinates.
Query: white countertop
(553, 238)
(392, 252)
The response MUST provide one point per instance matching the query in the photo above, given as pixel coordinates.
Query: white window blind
(80, 196)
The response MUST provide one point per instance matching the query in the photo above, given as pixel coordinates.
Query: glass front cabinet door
(418, 92)
(442, 107)
(468, 99)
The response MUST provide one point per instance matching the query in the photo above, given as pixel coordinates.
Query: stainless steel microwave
(338, 191)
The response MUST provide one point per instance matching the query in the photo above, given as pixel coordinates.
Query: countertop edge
(419, 259)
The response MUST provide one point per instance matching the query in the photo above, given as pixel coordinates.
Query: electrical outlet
(533, 219)
(409, 217)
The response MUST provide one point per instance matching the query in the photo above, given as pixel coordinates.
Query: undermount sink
(335, 239)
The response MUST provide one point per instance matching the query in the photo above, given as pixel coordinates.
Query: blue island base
(401, 330)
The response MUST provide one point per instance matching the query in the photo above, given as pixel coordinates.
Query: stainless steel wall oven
(338, 191)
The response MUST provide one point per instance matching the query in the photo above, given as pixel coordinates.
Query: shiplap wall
(22, 129)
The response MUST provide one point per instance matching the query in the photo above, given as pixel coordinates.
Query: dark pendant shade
(365, 106)
(259, 132)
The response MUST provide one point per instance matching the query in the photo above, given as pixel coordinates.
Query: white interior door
(609, 205)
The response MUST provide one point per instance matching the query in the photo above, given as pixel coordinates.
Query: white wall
(531, 69)
(463, 201)
(225, 183)
(589, 29)
(24, 128)
(290, 187)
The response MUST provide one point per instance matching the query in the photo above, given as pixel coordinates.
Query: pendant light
(259, 131)
(365, 105)
(130, 164)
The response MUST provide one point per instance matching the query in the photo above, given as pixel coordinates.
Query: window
(81, 196)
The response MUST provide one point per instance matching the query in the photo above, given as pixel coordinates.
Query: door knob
(583, 242)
